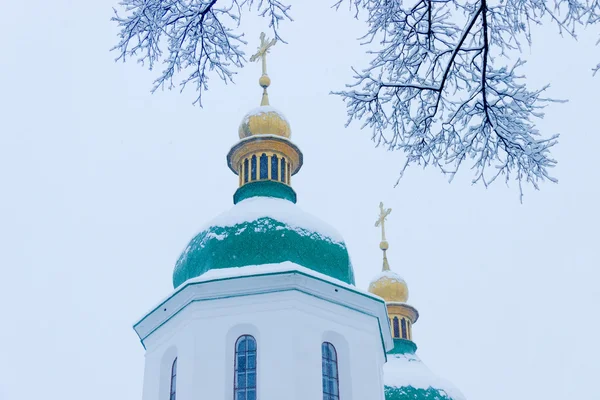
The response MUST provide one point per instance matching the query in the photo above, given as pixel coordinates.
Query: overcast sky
(104, 184)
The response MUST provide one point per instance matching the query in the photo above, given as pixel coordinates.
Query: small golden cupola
(265, 151)
(393, 289)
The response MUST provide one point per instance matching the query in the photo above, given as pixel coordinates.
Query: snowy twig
(198, 36)
(436, 88)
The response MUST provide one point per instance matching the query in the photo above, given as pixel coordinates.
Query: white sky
(104, 184)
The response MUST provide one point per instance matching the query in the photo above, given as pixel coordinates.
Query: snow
(263, 110)
(286, 266)
(403, 370)
(388, 274)
(284, 211)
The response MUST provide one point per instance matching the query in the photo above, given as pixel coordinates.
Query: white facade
(290, 311)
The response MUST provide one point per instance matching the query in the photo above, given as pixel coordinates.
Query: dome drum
(264, 158)
(403, 309)
(402, 317)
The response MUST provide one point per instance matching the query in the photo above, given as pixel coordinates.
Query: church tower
(405, 376)
(264, 304)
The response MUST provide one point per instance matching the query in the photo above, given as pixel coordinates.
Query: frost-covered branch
(197, 36)
(440, 86)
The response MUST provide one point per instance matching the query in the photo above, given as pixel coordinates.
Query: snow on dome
(263, 110)
(388, 274)
(265, 230)
(389, 286)
(264, 120)
(281, 210)
(406, 370)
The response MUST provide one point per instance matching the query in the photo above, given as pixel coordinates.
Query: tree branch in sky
(440, 86)
(196, 35)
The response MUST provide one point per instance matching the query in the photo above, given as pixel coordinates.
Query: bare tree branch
(437, 89)
(198, 35)
(440, 86)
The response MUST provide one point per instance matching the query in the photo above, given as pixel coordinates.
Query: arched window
(403, 328)
(396, 328)
(173, 387)
(264, 166)
(246, 170)
(253, 169)
(331, 381)
(274, 170)
(282, 175)
(245, 368)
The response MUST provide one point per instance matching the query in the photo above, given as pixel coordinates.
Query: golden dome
(390, 287)
(264, 120)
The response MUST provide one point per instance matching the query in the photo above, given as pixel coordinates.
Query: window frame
(246, 371)
(336, 377)
(173, 384)
(396, 327)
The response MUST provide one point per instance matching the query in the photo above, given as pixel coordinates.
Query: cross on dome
(263, 50)
(383, 213)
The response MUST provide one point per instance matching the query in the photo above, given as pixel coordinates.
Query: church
(265, 305)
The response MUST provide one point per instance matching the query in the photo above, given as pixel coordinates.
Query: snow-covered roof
(404, 370)
(286, 266)
(263, 279)
(281, 210)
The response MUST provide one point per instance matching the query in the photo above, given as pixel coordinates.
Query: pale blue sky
(104, 184)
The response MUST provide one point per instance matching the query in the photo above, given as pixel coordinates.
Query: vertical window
(274, 175)
(253, 169)
(245, 369)
(403, 328)
(172, 390)
(246, 170)
(331, 387)
(282, 175)
(264, 166)
(396, 328)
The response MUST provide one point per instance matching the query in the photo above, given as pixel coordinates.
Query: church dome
(264, 120)
(389, 286)
(406, 377)
(265, 227)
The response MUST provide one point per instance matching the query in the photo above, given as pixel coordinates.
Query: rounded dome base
(265, 230)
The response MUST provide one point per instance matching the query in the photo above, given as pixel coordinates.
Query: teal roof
(406, 377)
(265, 227)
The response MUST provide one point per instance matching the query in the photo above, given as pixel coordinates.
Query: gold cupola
(393, 289)
(264, 152)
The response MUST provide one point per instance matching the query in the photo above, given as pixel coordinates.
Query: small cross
(383, 213)
(263, 50)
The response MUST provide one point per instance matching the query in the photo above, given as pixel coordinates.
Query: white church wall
(289, 328)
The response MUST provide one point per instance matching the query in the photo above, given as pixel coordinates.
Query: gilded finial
(262, 52)
(384, 245)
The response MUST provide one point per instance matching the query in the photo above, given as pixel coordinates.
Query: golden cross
(383, 213)
(263, 50)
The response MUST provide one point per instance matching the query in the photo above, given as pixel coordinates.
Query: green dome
(406, 377)
(265, 227)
